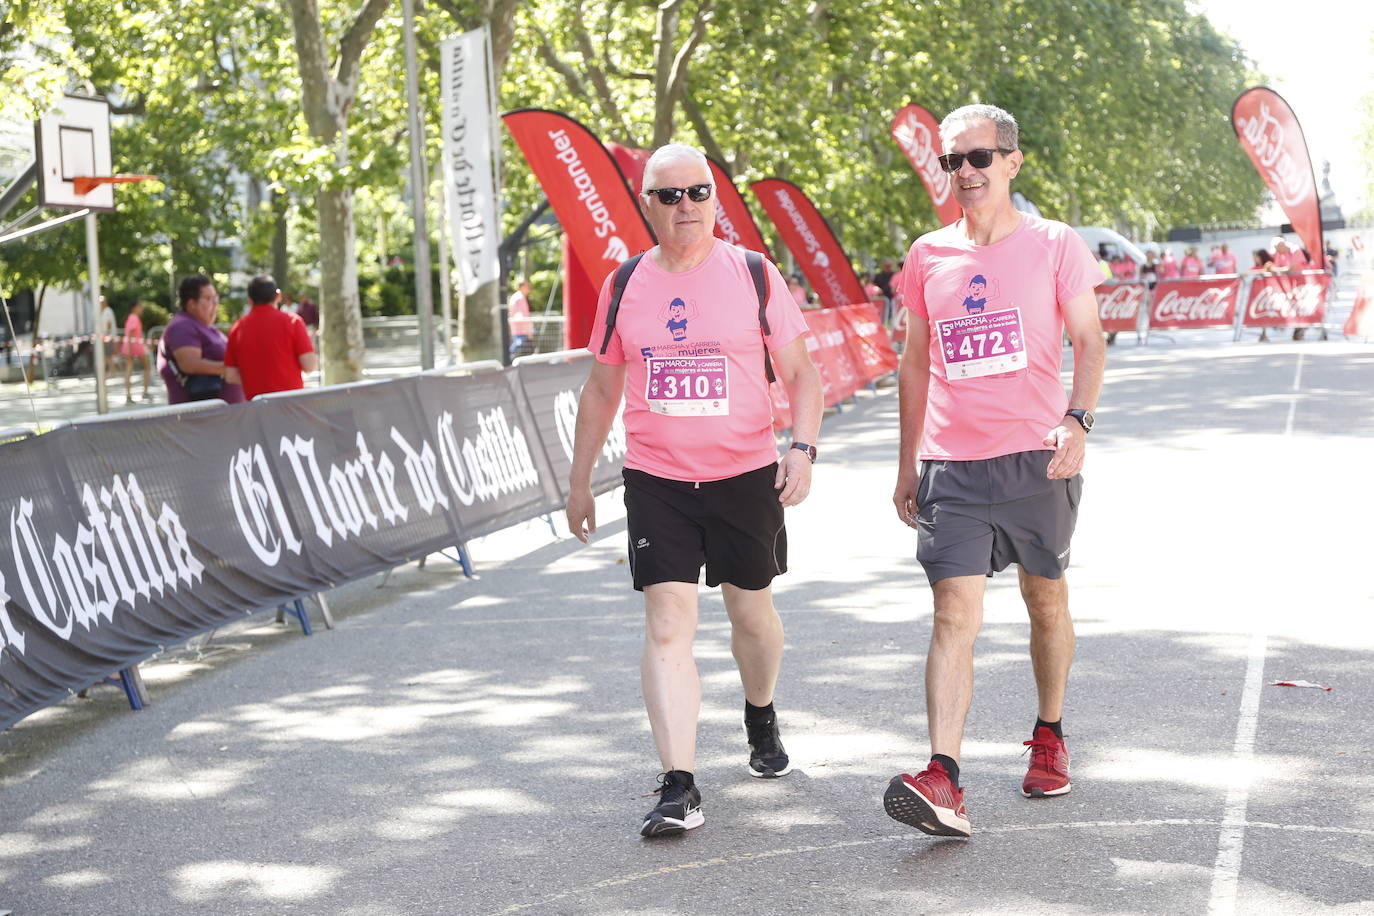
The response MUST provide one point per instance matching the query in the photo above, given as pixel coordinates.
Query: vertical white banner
(468, 185)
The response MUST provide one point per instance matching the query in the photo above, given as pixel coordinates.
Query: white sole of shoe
(671, 826)
(769, 774)
(915, 810)
(1041, 793)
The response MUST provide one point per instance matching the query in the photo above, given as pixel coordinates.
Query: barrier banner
(1270, 134)
(585, 187)
(808, 237)
(1118, 305)
(734, 222)
(826, 342)
(551, 391)
(1287, 301)
(918, 134)
(1180, 304)
(469, 188)
(868, 343)
(1361, 320)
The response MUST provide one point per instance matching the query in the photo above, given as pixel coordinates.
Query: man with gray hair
(999, 445)
(690, 333)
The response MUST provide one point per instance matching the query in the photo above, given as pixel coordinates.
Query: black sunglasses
(670, 196)
(978, 158)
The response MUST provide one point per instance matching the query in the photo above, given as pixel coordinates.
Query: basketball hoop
(85, 184)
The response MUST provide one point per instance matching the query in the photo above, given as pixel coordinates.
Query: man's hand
(904, 496)
(1069, 442)
(581, 512)
(794, 477)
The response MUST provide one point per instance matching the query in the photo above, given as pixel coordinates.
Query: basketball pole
(102, 400)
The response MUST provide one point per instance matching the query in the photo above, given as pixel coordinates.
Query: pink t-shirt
(1192, 267)
(696, 396)
(995, 334)
(518, 313)
(133, 337)
(1226, 263)
(1292, 258)
(1168, 268)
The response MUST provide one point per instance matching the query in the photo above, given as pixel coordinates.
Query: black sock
(754, 713)
(950, 766)
(1057, 727)
(684, 777)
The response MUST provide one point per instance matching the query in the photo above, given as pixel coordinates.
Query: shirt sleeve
(784, 315)
(615, 352)
(300, 337)
(1077, 272)
(910, 287)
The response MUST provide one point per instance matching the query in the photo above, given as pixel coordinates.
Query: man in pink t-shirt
(999, 445)
(1192, 264)
(1226, 260)
(703, 483)
(1168, 266)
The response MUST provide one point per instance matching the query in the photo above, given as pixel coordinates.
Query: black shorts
(734, 526)
(977, 517)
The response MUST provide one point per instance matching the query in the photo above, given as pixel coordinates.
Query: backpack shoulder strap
(622, 279)
(754, 260)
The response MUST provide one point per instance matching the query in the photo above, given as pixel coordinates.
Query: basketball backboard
(73, 141)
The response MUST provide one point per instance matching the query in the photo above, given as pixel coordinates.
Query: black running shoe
(679, 806)
(767, 757)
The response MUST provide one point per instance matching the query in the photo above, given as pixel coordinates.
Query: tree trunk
(341, 320)
(482, 324)
(281, 261)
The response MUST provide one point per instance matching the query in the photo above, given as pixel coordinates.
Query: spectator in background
(1331, 255)
(873, 293)
(1225, 261)
(268, 348)
(308, 311)
(1104, 261)
(521, 325)
(190, 356)
(1168, 266)
(133, 348)
(1192, 264)
(883, 278)
(1149, 271)
(1288, 261)
(108, 329)
(1123, 268)
(798, 291)
(1213, 257)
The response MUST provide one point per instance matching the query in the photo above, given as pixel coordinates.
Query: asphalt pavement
(479, 746)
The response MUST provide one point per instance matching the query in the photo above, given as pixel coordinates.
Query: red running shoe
(929, 802)
(1049, 766)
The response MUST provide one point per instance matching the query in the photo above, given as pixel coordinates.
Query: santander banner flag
(734, 222)
(585, 187)
(918, 134)
(1270, 134)
(808, 237)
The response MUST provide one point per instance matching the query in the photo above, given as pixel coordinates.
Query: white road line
(1293, 404)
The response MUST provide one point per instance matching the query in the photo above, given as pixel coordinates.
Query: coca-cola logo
(916, 141)
(1121, 302)
(1210, 303)
(1289, 177)
(1273, 300)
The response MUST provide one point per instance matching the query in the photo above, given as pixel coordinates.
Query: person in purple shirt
(193, 341)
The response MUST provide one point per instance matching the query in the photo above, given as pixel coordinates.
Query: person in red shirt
(268, 349)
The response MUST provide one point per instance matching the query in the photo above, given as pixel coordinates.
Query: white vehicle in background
(1100, 235)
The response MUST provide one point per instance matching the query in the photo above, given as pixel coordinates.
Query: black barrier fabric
(131, 535)
(551, 391)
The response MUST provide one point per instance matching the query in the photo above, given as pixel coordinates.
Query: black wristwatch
(1084, 418)
(809, 449)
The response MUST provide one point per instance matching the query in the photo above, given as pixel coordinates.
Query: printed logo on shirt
(642, 542)
(676, 314)
(976, 302)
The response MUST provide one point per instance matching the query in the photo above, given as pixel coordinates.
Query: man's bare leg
(949, 666)
(668, 672)
(756, 639)
(1051, 640)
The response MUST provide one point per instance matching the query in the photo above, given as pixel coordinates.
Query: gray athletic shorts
(977, 517)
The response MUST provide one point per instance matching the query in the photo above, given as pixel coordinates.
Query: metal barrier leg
(463, 560)
(296, 608)
(324, 611)
(132, 682)
(552, 527)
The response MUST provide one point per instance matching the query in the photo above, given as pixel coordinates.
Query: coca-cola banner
(1271, 135)
(808, 237)
(734, 222)
(1118, 305)
(1194, 304)
(129, 535)
(585, 187)
(1287, 301)
(918, 134)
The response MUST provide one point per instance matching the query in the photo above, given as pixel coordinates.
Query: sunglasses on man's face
(670, 196)
(978, 158)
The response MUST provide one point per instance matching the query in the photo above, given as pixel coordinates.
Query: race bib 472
(988, 343)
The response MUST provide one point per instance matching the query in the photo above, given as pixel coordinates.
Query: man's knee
(1047, 600)
(959, 606)
(670, 616)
